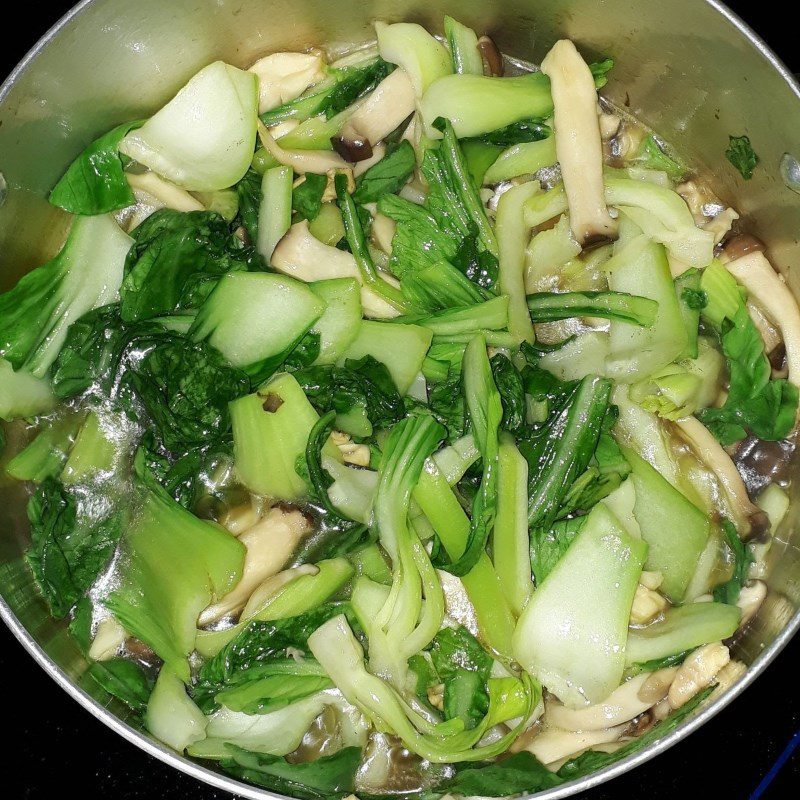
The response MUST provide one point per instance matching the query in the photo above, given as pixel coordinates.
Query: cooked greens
(401, 431)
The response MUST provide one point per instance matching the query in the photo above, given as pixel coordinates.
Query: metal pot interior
(687, 68)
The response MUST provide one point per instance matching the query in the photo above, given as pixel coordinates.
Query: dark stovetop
(51, 741)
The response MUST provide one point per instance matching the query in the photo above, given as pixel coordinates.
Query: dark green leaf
(526, 130)
(307, 196)
(354, 82)
(249, 191)
(600, 70)
(521, 773)
(549, 544)
(124, 680)
(696, 299)
(95, 183)
(728, 592)
(365, 382)
(185, 387)
(388, 176)
(258, 644)
(326, 778)
(464, 668)
(176, 260)
(741, 154)
(658, 663)
(69, 548)
(512, 392)
(559, 450)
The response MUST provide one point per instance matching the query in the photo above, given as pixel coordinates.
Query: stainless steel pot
(689, 68)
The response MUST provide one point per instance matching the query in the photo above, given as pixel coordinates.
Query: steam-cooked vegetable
(36, 313)
(353, 444)
(204, 138)
(578, 144)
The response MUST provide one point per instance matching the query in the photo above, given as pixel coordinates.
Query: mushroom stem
(578, 143)
(711, 453)
(301, 161)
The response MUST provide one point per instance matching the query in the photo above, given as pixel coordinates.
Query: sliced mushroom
(578, 143)
(554, 744)
(720, 224)
(621, 706)
(167, 193)
(304, 257)
(770, 291)
(741, 245)
(270, 543)
(769, 333)
(493, 64)
(383, 110)
(751, 598)
(285, 76)
(732, 672)
(301, 161)
(647, 605)
(711, 453)
(697, 672)
(108, 639)
(352, 147)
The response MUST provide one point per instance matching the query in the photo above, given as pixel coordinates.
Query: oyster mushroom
(304, 257)
(578, 143)
(285, 76)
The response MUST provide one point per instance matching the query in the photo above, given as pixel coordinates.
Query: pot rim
(220, 781)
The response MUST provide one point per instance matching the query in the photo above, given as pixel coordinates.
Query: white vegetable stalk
(712, 454)
(275, 210)
(204, 138)
(283, 77)
(411, 47)
(578, 143)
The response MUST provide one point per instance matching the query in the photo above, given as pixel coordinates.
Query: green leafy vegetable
(559, 450)
(549, 544)
(755, 404)
(176, 260)
(485, 414)
(95, 183)
(122, 679)
(249, 192)
(185, 387)
(464, 668)
(69, 547)
(307, 196)
(36, 314)
(696, 299)
(451, 226)
(728, 592)
(388, 176)
(439, 287)
(327, 778)
(364, 383)
(547, 306)
(521, 773)
(526, 130)
(512, 393)
(357, 243)
(650, 155)
(741, 154)
(258, 645)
